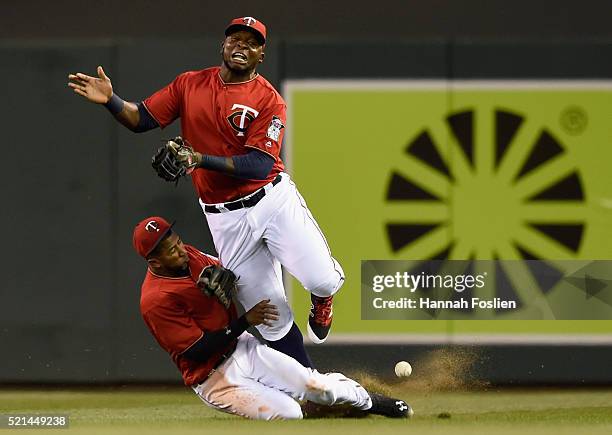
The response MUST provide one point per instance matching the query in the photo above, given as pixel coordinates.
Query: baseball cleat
(320, 318)
(389, 407)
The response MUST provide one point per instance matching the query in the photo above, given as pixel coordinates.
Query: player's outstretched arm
(99, 90)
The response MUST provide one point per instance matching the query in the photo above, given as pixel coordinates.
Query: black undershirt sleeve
(146, 121)
(254, 165)
(213, 342)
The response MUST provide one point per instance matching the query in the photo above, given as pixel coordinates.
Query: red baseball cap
(148, 233)
(247, 23)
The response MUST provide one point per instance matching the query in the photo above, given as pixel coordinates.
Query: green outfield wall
(461, 170)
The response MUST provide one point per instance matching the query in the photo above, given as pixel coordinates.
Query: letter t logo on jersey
(238, 119)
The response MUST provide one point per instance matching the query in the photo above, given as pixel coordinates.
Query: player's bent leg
(324, 389)
(260, 274)
(261, 278)
(246, 397)
(295, 239)
(278, 371)
(237, 239)
(306, 255)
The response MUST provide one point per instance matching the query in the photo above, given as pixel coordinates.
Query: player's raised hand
(264, 312)
(95, 89)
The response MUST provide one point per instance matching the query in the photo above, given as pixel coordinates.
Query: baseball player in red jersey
(228, 368)
(234, 119)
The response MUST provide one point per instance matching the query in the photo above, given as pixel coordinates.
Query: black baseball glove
(219, 282)
(174, 159)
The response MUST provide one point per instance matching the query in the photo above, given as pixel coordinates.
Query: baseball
(403, 369)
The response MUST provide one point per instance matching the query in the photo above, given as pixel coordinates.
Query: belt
(247, 202)
(220, 361)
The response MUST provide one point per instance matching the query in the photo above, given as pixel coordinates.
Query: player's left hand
(175, 159)
(95, 89)
(219, 282)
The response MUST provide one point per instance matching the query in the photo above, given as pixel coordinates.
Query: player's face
(242, 51)
(173, 257)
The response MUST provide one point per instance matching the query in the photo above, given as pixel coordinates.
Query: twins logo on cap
(148, 233)
(249, 21)
(152, 226)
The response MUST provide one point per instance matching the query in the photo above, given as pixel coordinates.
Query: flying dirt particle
(372, 383)
(444, 415)
(444, 369)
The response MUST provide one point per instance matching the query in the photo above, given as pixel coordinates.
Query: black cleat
(389, 407)
(320, 318)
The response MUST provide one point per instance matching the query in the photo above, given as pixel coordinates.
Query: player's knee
(291, 411)
(327, 284)
(294, 412)
(318, 390)
(326, 281)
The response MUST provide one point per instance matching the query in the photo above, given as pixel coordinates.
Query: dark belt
(220, 361)
(242, 203)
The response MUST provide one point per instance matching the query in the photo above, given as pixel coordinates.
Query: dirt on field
(446, 370)
(443, 369)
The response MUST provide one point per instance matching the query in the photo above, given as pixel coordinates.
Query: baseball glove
(174, 159)
(219, 282)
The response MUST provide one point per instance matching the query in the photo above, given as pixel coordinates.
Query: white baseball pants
(259, 382)
(255, 241)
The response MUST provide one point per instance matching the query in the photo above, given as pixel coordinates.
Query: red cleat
(320, 318)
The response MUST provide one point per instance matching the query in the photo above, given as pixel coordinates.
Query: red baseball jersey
(223, 119)
(178, 314)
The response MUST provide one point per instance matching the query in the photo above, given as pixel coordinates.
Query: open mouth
(239, 57)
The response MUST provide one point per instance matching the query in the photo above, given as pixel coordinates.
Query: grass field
(130, 410)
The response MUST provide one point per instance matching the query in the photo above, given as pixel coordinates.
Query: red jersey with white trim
(178, 314)
(223, 119)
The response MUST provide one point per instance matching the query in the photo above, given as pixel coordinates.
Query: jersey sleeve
(171, 326)
(266, 131)
(165, 104)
